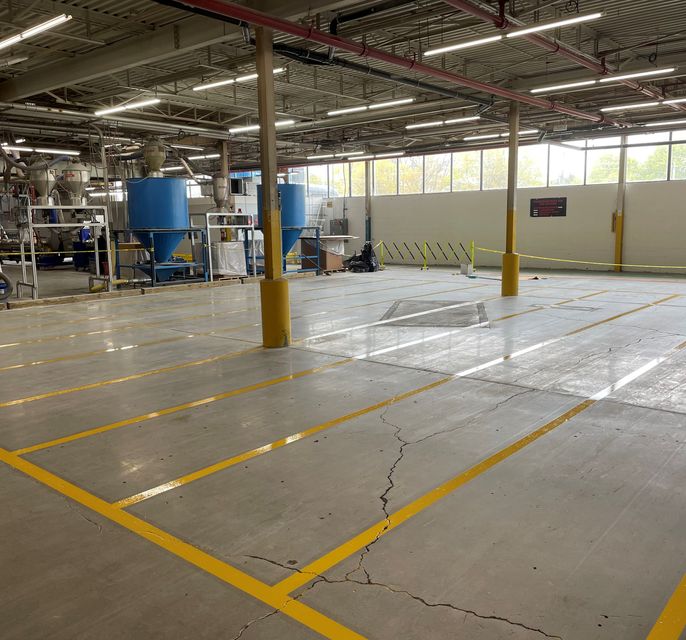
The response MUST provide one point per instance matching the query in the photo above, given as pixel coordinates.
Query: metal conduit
(477, 10)
(246, 14)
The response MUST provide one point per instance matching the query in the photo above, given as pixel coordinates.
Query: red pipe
(553, 45)
(251, 16)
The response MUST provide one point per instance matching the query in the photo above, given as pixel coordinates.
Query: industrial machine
(292, 202)
(158, 219)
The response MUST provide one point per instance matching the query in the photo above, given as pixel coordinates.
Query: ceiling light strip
(221, 83)
(128, 106)
(32, 31)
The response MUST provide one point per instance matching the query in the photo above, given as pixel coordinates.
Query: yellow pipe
(276, 313)
(619, 240)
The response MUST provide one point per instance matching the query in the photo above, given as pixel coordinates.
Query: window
(649, 163)
(679, 135)
(495, 169)
(602, 166)
(357, 178)
(437, 173)
(467, 171)
(566, 166)
(678, 162)
(339, 180)
(318, 181)
(297, 175)
(386, 177)
(533, 166)
(411, 175)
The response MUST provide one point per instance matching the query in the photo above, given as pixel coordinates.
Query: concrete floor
(520, 477)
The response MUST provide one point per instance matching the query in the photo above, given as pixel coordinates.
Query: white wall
(655, 228)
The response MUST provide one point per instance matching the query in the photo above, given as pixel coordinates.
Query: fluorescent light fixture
(562, 87)
(32, 31)
(177, 168)
(221, 83)
(369, 157)
(209, 156)
(102, 194)
(485, 136)
(546, 26)
(389, 155)
(527, 132)
(665, 123)
(347, 154)
(212, 85)
(391, 103)
(675, 101)
(281, 175)
(636, 105)
(126, 107)
(14, 60)
(61, 152)
(190, 147)
(465, 119)
(250, 76)
(638, 74)
(423, 125)
(323, 156)
(462, 45)
(340, 112)
(256, 127)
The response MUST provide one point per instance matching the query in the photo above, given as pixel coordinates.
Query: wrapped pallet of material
(228, 259)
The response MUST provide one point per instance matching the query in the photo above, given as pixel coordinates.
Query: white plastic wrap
(228, 259)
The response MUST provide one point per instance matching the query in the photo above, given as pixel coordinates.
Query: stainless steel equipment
(75, 178)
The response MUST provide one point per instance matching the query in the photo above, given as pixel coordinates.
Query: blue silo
(158, 203)
(293, 206)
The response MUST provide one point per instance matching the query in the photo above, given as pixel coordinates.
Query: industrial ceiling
(114, 52)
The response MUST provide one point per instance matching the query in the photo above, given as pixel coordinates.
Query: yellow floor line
(179, 407)
(672, 621)
(129, 378)
(228, 574)
(295, 437)
(381, 528)
(272, 446)
(135, 325)
(97, 352)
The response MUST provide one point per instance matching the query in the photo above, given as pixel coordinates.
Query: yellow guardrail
(425, 252)
(602, 264)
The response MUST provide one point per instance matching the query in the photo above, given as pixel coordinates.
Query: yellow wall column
(618, 226)
(510, 276)
(276, 312)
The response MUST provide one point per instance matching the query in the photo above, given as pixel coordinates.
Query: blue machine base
(164, 272)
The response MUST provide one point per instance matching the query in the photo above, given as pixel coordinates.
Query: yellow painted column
(276, 312)
(510, 275)
(618, 226)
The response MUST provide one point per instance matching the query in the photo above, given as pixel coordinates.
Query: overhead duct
(246, 14)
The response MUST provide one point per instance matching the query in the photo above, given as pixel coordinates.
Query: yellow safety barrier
(603, 264)
(416, 253)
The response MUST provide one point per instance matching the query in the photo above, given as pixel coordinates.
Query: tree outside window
(357, 179)
(386, 177)
(437, 173)
(411, 175)
(467, 171)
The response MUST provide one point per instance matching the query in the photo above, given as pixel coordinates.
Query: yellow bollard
(472, 254)
(424, 267)
(381, 253)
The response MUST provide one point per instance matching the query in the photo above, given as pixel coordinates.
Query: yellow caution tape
(604, 264)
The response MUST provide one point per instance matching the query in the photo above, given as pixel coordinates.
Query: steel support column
(276, 313)
(510, 281)
(618, 220)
